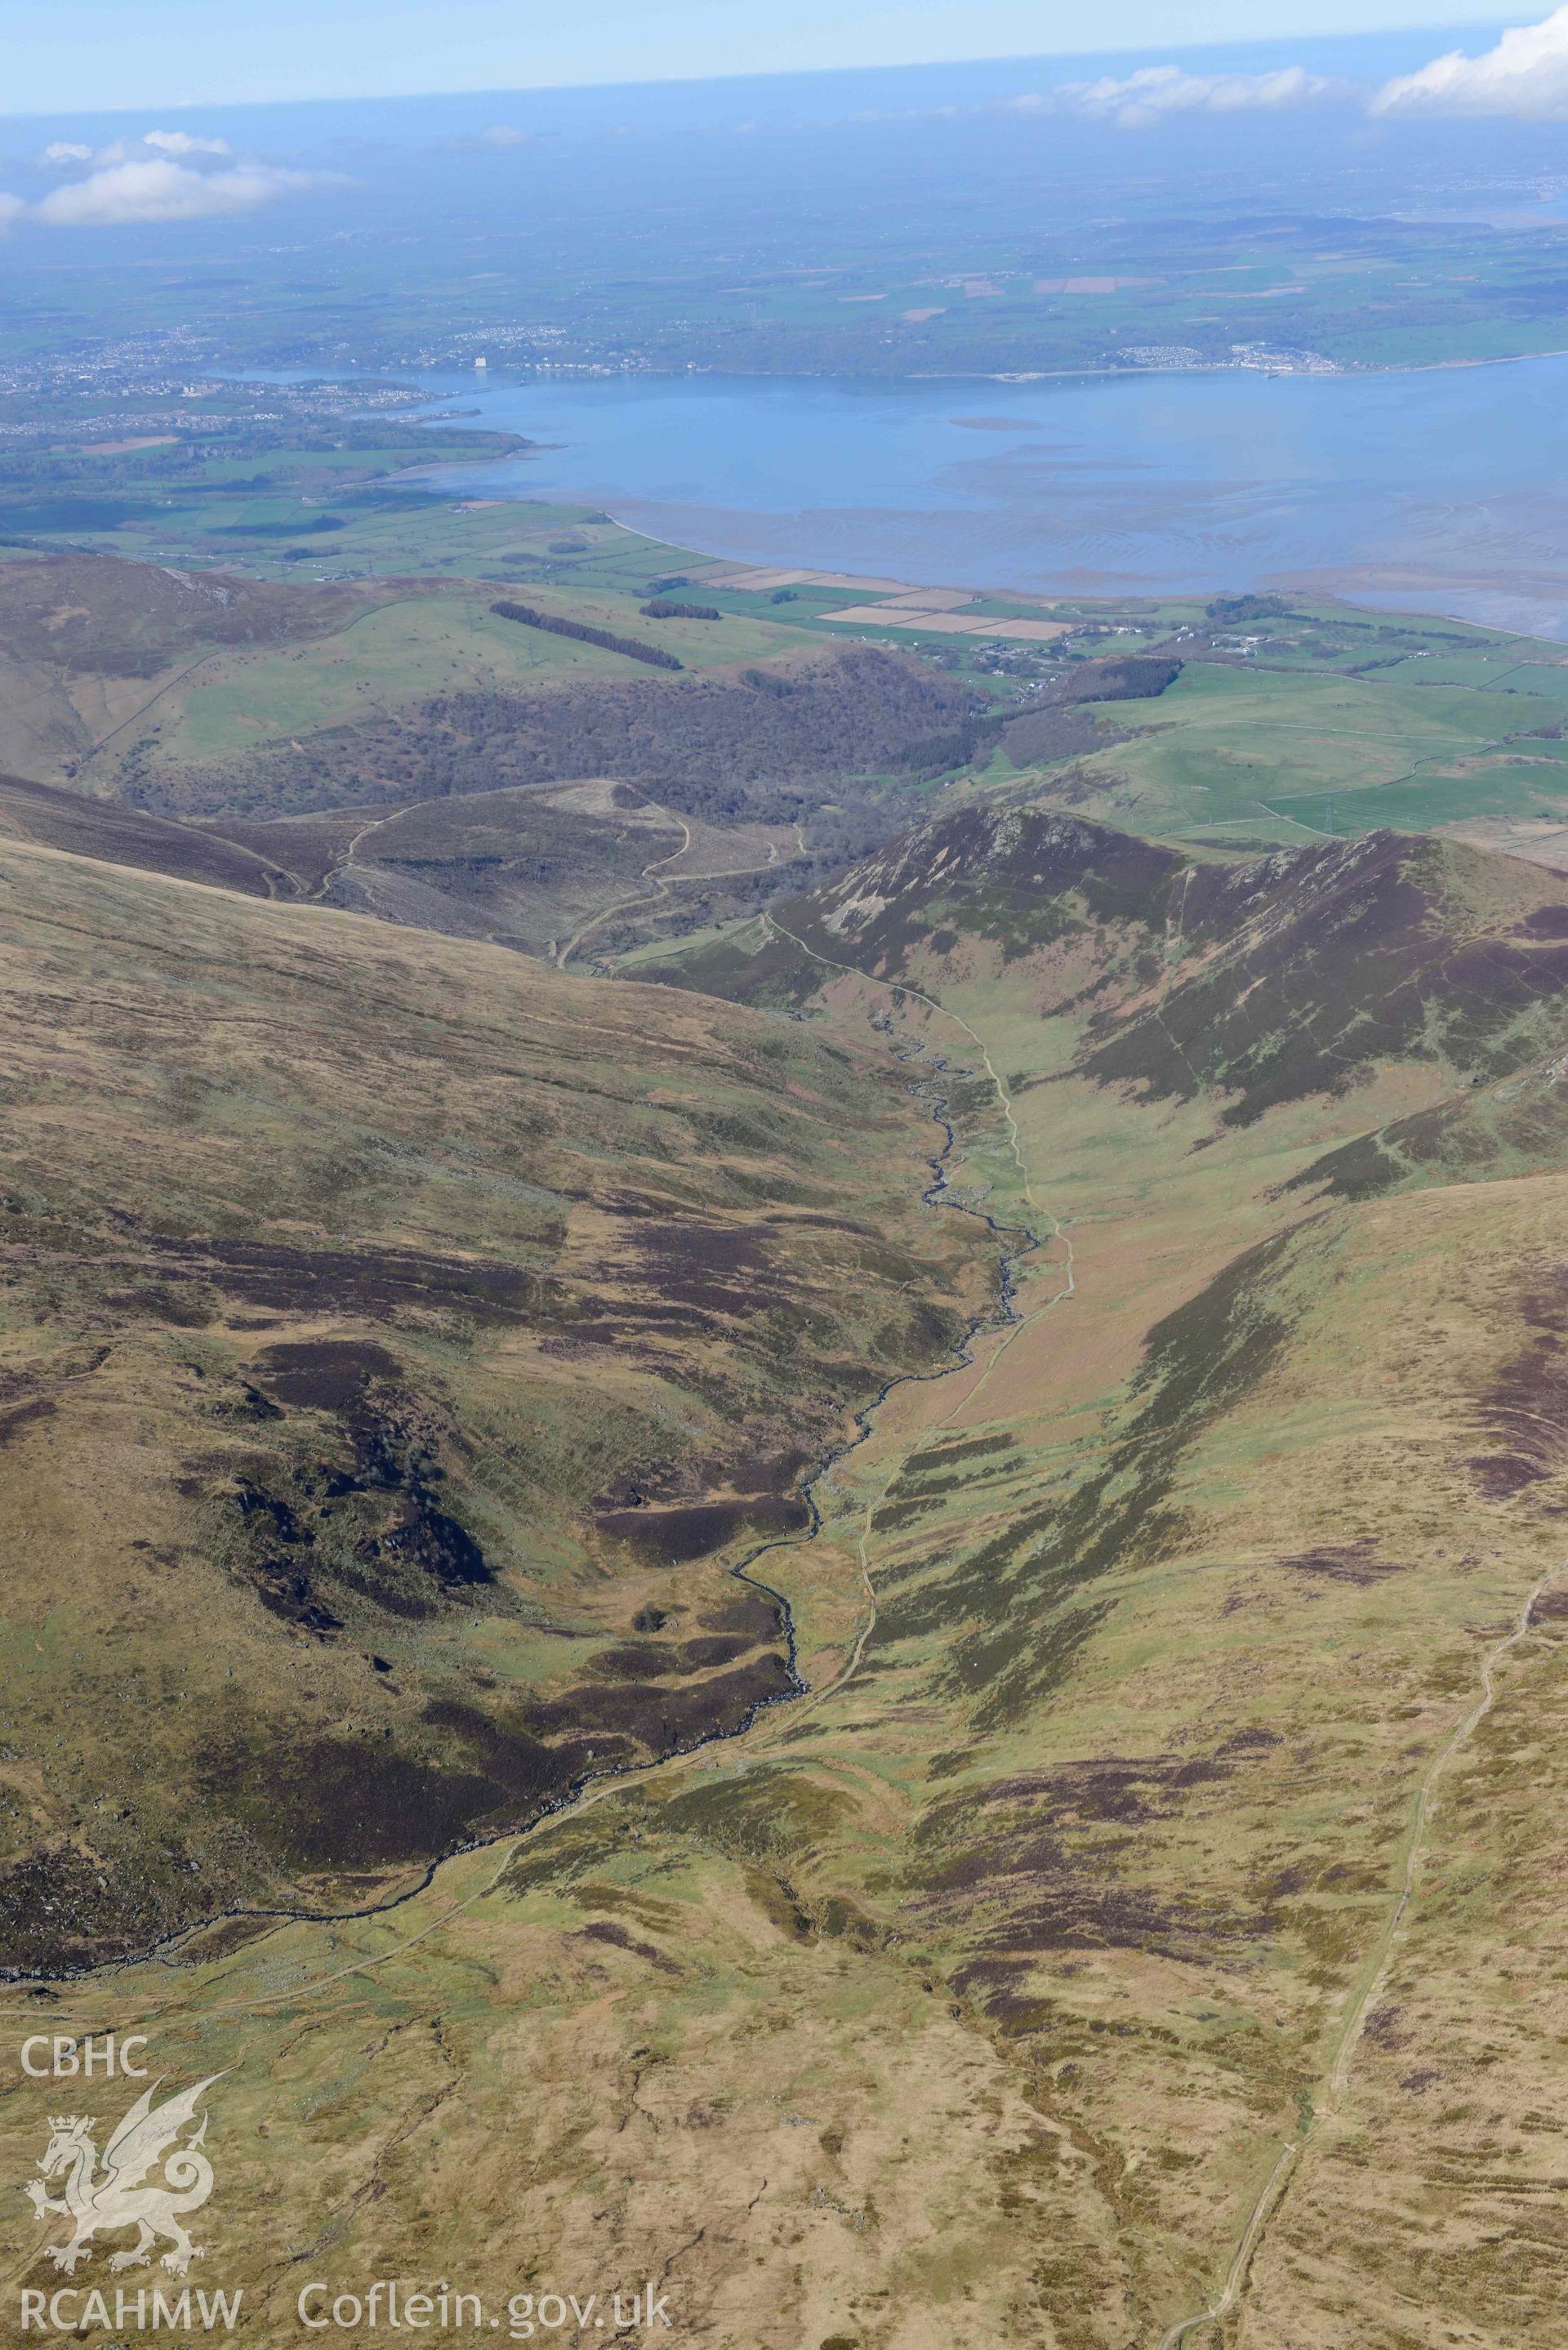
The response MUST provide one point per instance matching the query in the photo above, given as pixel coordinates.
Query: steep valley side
(399, 1343)
(983, 1989)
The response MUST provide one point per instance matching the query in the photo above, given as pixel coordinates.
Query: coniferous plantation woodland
(784, 1423)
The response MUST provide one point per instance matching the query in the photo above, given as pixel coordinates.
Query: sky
(82, 147)
(87, 56)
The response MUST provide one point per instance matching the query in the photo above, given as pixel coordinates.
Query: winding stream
(1018, 1242)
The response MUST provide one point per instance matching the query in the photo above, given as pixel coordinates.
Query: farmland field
(1257, 754)
(404, 653)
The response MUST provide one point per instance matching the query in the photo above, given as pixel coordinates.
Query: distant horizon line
(1453, 29)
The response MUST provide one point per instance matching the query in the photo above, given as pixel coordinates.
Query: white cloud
(118, 193)
(158, 175)
(505, 134)
(1525, 76)
(179, 142)
(1137, 100)
(151, 143)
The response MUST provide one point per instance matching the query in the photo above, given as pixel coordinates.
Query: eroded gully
(1017, 1241)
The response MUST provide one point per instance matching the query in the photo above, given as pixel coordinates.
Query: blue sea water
(1444, 490)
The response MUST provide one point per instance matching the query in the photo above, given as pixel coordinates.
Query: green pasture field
(696, 644)
(1282, 755)
(1513, 787)
(417, 648)
(395, 535)
(1536, 677)
(255, 505)
(1488, 671)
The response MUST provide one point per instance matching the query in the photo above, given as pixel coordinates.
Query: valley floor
(1109, 1921)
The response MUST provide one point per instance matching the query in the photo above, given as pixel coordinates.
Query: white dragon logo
(114, 2196)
